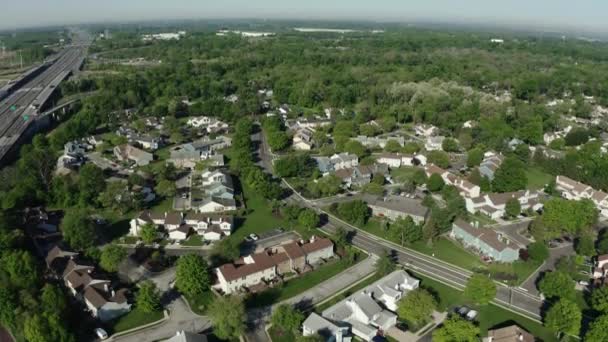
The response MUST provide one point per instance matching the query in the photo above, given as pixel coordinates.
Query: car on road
(102, 334)
(253, 237)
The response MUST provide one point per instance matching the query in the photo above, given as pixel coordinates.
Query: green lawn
(200, 304)
(259, 218)
(162, 206)
(135, 318)
(449, 251)
(375, 277)
(537, 178)
(278, 335)
(489, 315)
(296, 286)
(403, 174)
(194, 241)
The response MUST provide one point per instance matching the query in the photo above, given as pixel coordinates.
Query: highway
(20, 108)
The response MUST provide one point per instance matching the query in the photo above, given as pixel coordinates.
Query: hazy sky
(585, 14)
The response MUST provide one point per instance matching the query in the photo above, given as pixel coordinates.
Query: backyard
(135, 318)
(537, 179)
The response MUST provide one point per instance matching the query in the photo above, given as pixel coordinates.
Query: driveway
(131, 271)
(512, 231)
(554, 254)
(267, 242)
(101, 162)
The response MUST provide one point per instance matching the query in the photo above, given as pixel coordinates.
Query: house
(490, 163)
(576, 191)
(494, 204)
(425, 130)
(147, 142)
(369, 312)
(360, 175)
(211, 191)
(395, 160)
(434, 143)
(254, 269)
(75, 149)
(184, 156)
(512, 333)
(310, 123)
(336, 162)
(210, 227)
(601, 268)
(485, 241)
(106, 306)
(465, 188)
(378, 142)
(184, 336)
(318, 325)
(302, 140)
(211, 125)
(127, 152)
(550, 136)
(394, 207)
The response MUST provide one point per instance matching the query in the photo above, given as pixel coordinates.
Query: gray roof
(405, 205)
(320, 324)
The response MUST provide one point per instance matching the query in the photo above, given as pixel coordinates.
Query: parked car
(253, 237)
(463, 310)
(102, 334)
(471, 315)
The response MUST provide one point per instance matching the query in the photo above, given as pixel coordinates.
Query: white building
(211, 125)
(426, 130)
(434, 143)
(303, 139)
(576, 191)
(494, 204)
(211, 228)
(466, 188)
(396, 160)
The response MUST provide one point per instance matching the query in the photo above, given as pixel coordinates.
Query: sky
(587, 15)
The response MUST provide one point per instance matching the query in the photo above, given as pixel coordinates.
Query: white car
(253, 237)
(471, 315)
(102, 334)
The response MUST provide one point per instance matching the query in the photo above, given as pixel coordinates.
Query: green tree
(355, 212)
(561, 216)
(513, 207)
(341, 236)
(557, 284)
(405, 230)
(510, 176)
(91, 183)
(474, 157)
(166, 188)
(116, 196)
(148, 233)
(480, 289)
(8, 307)
(456, 329)
(111, 257)
(576, 137)
(36, 328)
(308, 219)
(287, 318)
(435, 183)
(19, 268)
(417, 306)
(356, 148)
(598, 330)
(192, 275)
(450, 145)
(78, 229)
(228, 316)
(599, 299)
(538, 251)
(148, 299)
(585, 245)
(564, 317)
(392, 146)
(52, 299)
(385, 264)
(439, 158)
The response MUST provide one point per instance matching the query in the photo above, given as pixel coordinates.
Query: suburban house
(490, 164)
(130, 153)
(369, 312)
(601, 269)
(309, 123)
(179, 226)
(211, 191)
(360, 174)
(550, 136)
(394, 207)
(375, 142)
(487, 242)
(494, 204)
(253, 270)
(336, 162)
(302, 139)
(319, 325)
(96, 293)
(187, 155)
(395, 160)
(512, 333)
(466, 188)
(576, 191)
(211, 125)
(425, 130)
(434, 143)
(146, 141)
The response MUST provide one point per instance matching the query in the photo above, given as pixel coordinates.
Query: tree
(148, 299)
(341, 236)
(599, 299)
(435, 182)
(192, 275)
(148, 233)
(385, 264)
(522, 152)
(450, 145)
(8, 306)
(36, 328)
(417, 306)
(510, 176)
(355, 212)
(565, 317)
(78, 229)
(598, 330)
(166, 188)
(576, 136)
(602, 243)
(111, 257)
(439, 158)
(52, 299)
(287, 318)
(561, 216)
(584, 245)
(513, 207)
(557, 284)
(405, 230)
(228, 316)
(91, 183)
(116, 196)
(356, 148)
(474, 157)
(456, 329)
(538, 251)
(19, 267)
(308, 218)
(480, 289)
(392, 146)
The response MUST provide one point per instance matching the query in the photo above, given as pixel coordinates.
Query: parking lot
(268, 239)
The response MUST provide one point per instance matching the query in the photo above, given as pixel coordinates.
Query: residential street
(549, 264)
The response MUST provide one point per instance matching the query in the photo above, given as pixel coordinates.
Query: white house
(319, 325)
(210, 227)
(425, 130)
(494, 204)
(434, 143)
(106, 306)
(466, 188)
(302, 140)
(573, 190)
(343, 161)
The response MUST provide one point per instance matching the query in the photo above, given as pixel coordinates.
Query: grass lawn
(403, 174)
(200, 304)
(135, 318)
(483, 219)
(296, 286)
(537, 178)
(163, 206)
(489, 315)
(278, 335)
(320, 308)
(449, 251)
(193, 241)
